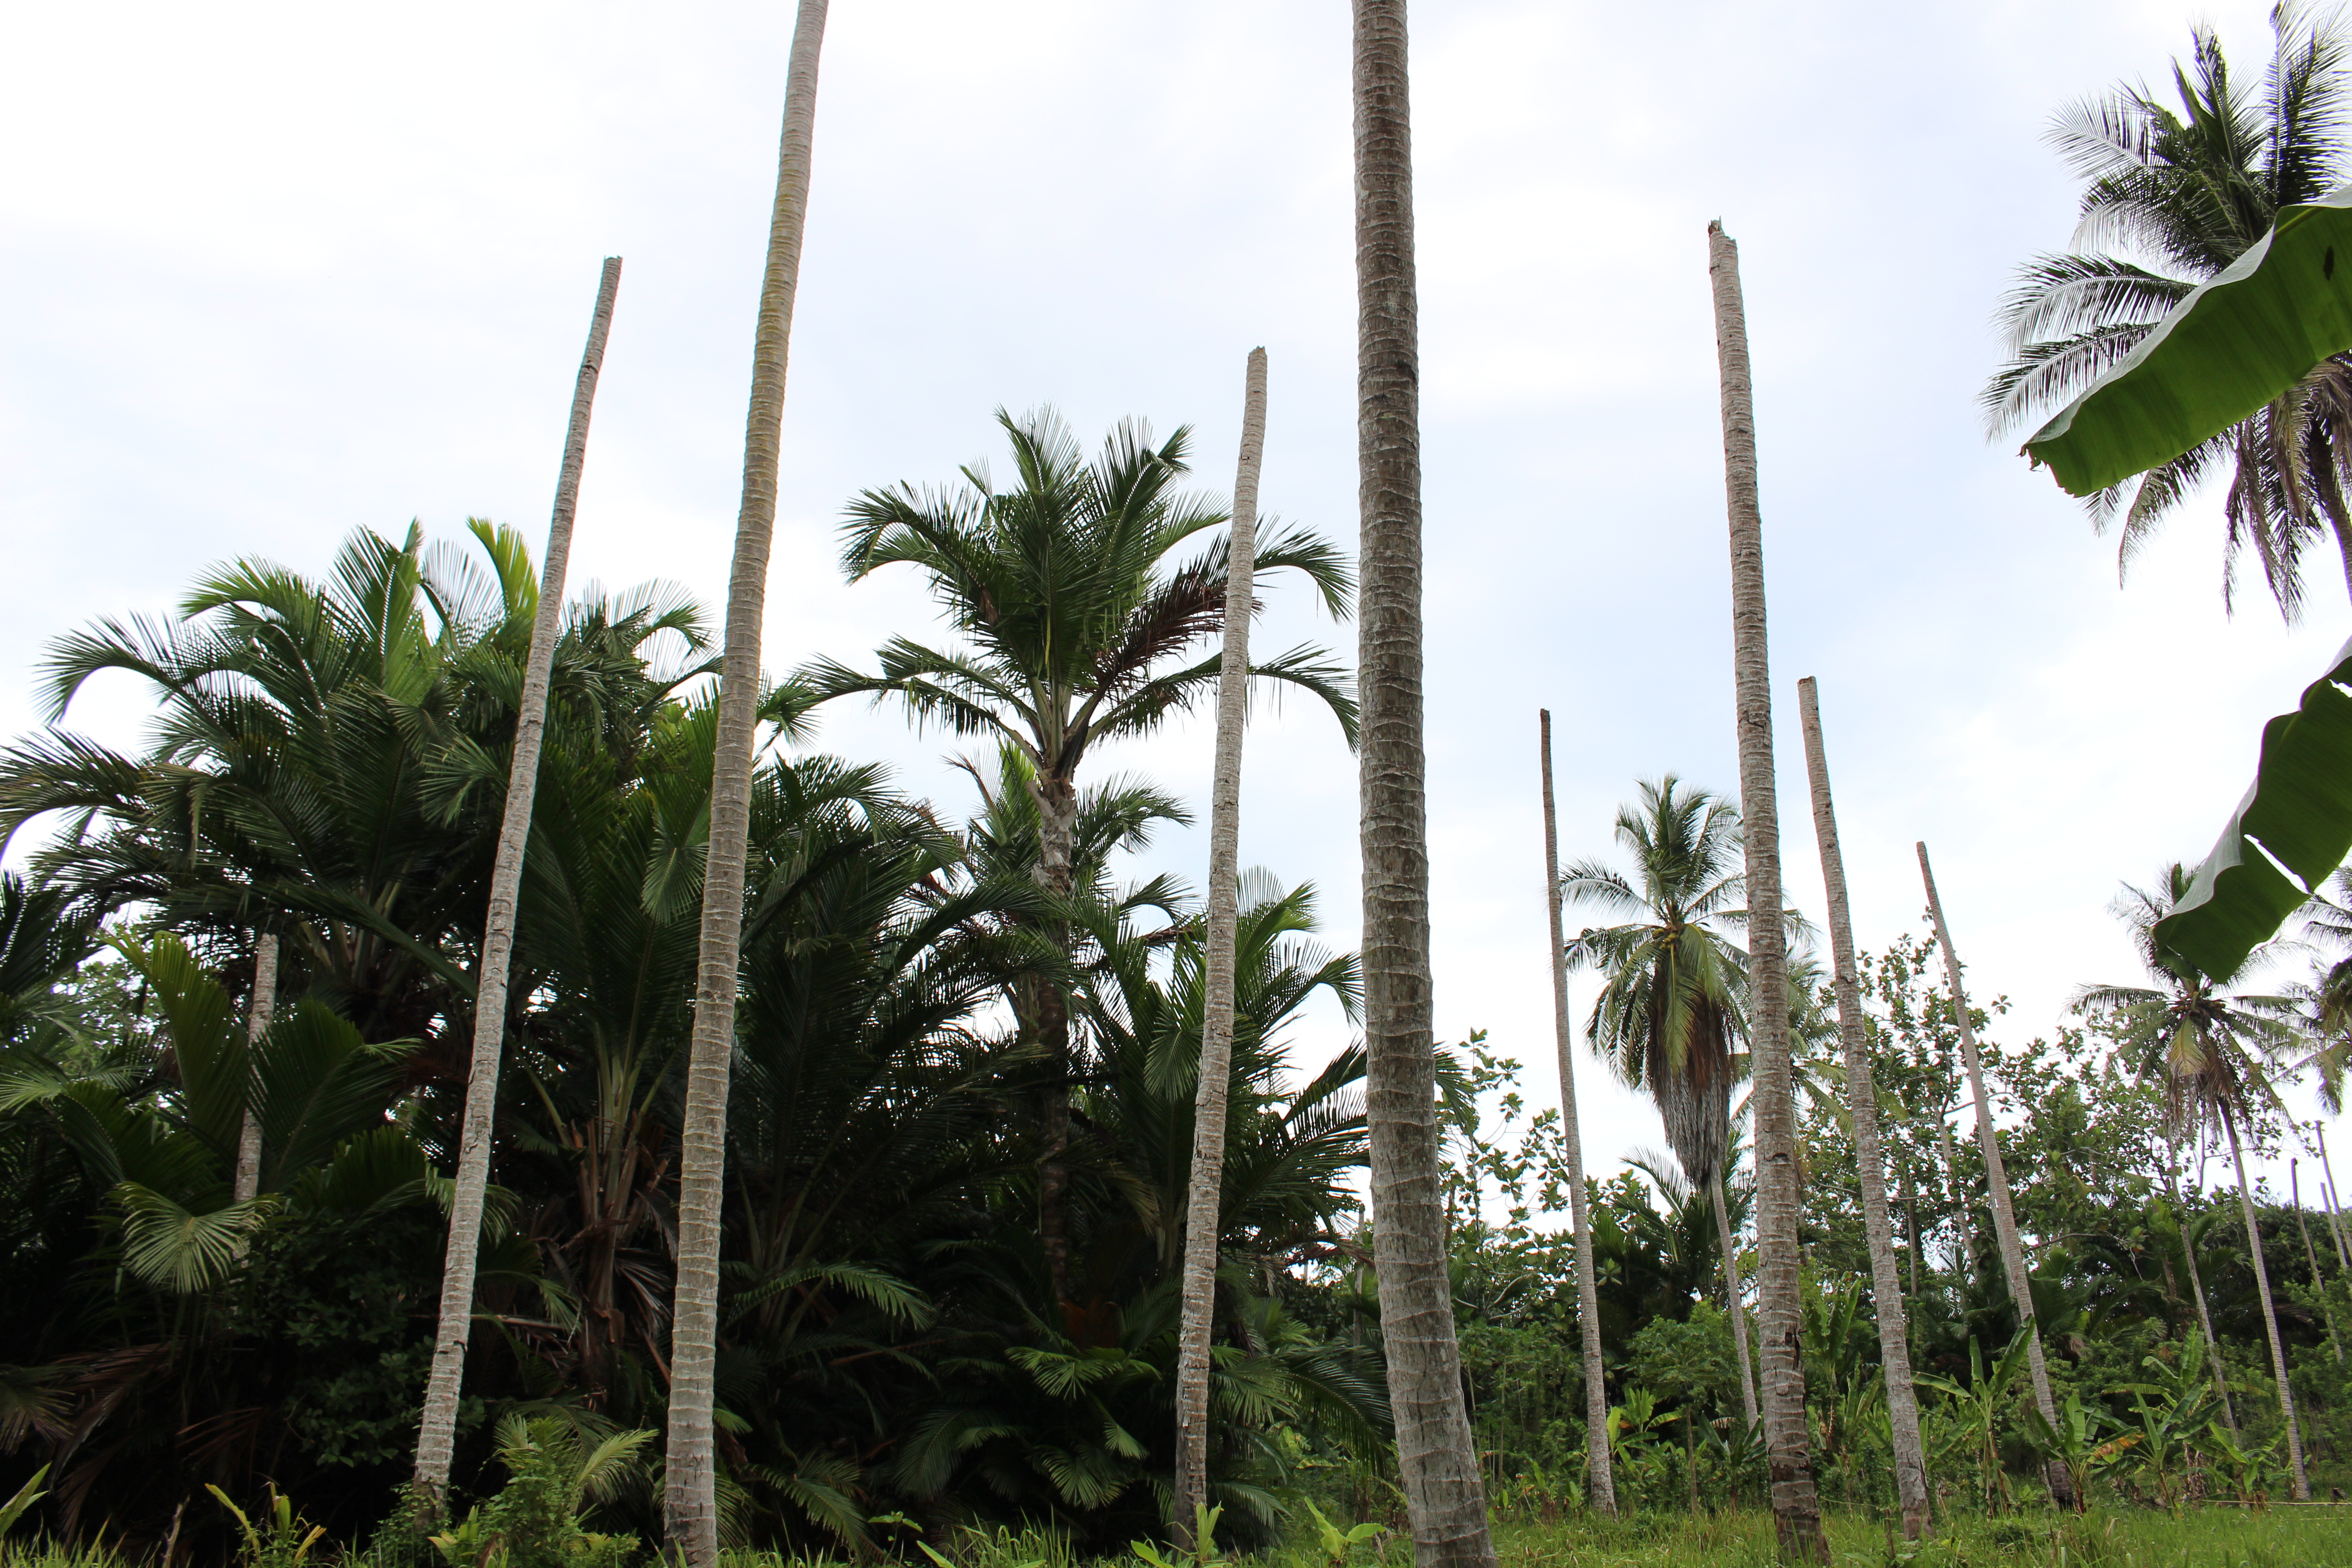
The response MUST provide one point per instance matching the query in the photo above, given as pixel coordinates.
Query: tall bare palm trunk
(690, 1508)
(2270, 1311)
(2197, 1289)
(1735, 1295)
(1057, 814)
(1446, 1496)
(1603, 1483)
(2004, 1212)
(248, 1184)
(1204, 1209)
(2311, 1256)
(1796, 1508)
(438, 1429)
(1861, 1099)
(2335, 1222)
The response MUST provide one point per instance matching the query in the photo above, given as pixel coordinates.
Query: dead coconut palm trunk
(2004, 1212)
(2311, 1256)
(2197, 1289)
(1735, 1295)
(1861, 1099)
(1603, 1483)
(2334, 1222)
(1204, 1205)
(438, 1429)
(2270, 1308)
(248, 1184)
(690, 1506)
(1446, 1496)
(1796, 1508)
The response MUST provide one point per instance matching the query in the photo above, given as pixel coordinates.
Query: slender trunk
(690, 1508)
(1446, 1496)
(1862, 1098)
(1960, 1214)
(2270, 1309)
(2311, 1256)
(1796, 1508)
(1203, 1212)
(1911, 1226)
(256, 1023)
(2335, 1222)
(1057, 815)
(1734, 1296)
(2004, 1213)
(2204, 1314)
(1602, 1481)
(437, 1430)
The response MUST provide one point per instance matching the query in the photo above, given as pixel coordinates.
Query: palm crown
(2173, 198)
(1670, 1007)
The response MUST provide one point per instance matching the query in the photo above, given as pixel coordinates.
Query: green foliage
(534, 1521)
(283, 1538)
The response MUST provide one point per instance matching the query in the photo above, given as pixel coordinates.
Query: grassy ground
(2208, 1538)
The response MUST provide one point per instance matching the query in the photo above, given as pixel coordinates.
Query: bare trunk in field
(2004, 1212)
(2335, 1222)
(1446, 1497)
(2204, 1315)
(1603, 1483)
(247, 1184)
(1796, 1508)
(2311, 1256)
(438, 1429)
(2269, 1312)
(690, 1509)
(1734, 1296)
(1204, 1207)
(1861, 1099)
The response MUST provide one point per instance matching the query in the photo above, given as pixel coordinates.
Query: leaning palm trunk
(1796, 1508)
(2204, 1314)
(1862, 1098)
(256, 1023)
(1446, 1497)
(438, 1429)
(690, 1508)
(2004, 1212)
(2335, 1224)
(2270, 1309)
(2311, 1256)
(1734, 1294)
(1204, 1214)
(1603, 1484)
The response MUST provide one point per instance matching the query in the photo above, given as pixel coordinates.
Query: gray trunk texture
(1603, 1483)
(2334, 1221)
(1796, 1508)
(2204, 1315)
(437, 1430)
(1204, 1209)
(1446, 1497)
(1735, 1295)
(256, 1023)
(2269, 1312)
(2311, 1256)
(2004, 1212)
(1861, 1099)
(690, 1506)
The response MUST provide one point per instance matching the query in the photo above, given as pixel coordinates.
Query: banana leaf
(2298, 816)
(2222, 352)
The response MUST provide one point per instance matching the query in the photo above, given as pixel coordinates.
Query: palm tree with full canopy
(2211, 1049)
(1077, 625)
(1670, 1013)
(2174, 195)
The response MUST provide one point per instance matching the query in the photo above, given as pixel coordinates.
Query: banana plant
(2074, 1440)
(1979, 1405)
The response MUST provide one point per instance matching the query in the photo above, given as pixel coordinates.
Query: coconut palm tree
(1671, 1009)
(1436, 1451)
(2173, 196)
(1796, 1510)
(1078, 628)
(2211, 1049)
(690, 1506)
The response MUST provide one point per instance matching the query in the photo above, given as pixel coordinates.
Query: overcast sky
(277, 272)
